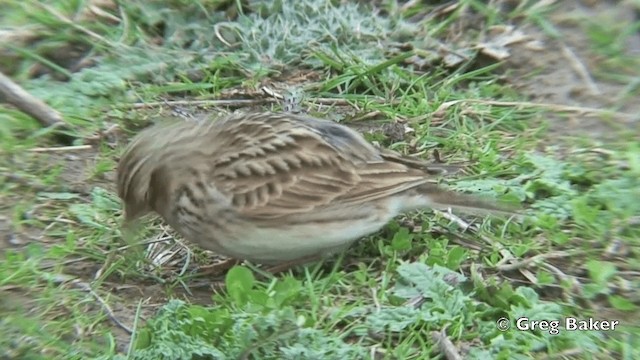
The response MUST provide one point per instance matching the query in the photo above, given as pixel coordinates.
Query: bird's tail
(442, 199)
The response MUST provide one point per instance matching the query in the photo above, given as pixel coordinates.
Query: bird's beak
(131, 224)
(132, 213)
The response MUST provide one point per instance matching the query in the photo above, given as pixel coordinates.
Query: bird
(274, 187)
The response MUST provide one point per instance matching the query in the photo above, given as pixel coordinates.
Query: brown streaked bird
(275, 188)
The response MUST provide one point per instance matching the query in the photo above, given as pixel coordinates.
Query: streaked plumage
(273, 188)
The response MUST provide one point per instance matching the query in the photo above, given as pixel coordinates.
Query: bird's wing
(274, 165)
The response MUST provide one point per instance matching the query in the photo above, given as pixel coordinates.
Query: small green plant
(251, 320)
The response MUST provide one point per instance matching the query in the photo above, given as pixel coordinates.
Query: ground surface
(552, 123)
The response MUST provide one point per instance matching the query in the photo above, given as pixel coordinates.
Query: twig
(65, 263)
(344, 102)
(215, 284)
(228, 102)
(62, 279)
(374, 350)
(451, 217)
(458, 240)
(107, 309)
(146, 242)
(71, 23)
(89, 12)
(243, 102)
(216, 31)
(579, 68)
(57, 219)
(506, 254)
(270, 92)
(107, 263)
(517, 265)
(15, 95)
(217, 268)
(554, 107)
(446, 346)
(408, 5)
(576, 287)
(374, 296)
(61, 148)
(630, 273)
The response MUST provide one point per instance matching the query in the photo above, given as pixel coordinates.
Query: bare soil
(557, 78)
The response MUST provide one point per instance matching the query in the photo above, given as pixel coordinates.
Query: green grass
(67, 278)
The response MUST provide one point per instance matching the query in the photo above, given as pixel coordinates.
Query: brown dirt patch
(557, 78)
